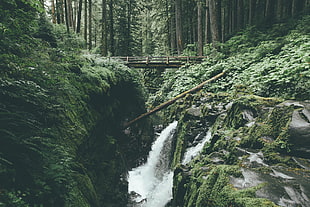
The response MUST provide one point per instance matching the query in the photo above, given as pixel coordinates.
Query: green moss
(179, 146)
(212, 188)
(57, 114)
(203, 183)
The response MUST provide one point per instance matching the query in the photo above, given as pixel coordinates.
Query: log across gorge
(160, 62)
(171, 101)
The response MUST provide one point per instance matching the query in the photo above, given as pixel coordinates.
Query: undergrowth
(51, 98)
(268, 63)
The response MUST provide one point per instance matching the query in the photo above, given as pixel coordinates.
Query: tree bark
(90, 24)
(60, 12)
(85, 21)
(207, 23)
(58, 18)
(199, 28)
(75, 13)
(53, 12)
(78, 25)
(279, 9)
(214, 22)
(128, 29)
(70, 14)
(251, 11)
(240, 15)
(165, 104)
(293, 11)
(178, 22)
(233, 15)
(66, 16)
(172, 28)
(104, 39)
(111, 29)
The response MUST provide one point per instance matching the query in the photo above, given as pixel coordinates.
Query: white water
(153, 180)
(194, 151)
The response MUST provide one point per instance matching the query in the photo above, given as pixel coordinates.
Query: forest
(165, 27)
(66, 99)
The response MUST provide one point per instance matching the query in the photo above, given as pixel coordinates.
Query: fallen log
(171, 101)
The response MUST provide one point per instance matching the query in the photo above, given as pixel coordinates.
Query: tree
(66, 16)
(85, 21)
(207, 25)
(214, 23)
(53, 12)
(79, 16)
(90, 24)
(178, 27)
(166, 26)
(104, 38)
(111, 28)
(200, 33)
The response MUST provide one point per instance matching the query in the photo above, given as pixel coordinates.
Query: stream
(150, 185)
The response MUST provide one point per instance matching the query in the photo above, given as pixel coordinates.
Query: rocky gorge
(258, 153)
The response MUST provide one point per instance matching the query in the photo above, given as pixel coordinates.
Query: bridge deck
(160, 62)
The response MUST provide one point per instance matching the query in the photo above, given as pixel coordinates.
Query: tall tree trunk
(172, 28)
(128, 29)
(207, 25)
(85, 22)
(178, 23)
(233, 16)
(58, 18)
(214, 22)
(78, 25)
(240, 15)
(199, 28)
(75, 13)
(104, 39)
(90, 24)
(293, 11)
(67, 17)
(111, 29)
(279, 9)
(168, 35)
(252, 4)
(225, 19)
(70, 13)
(62, 13)
(53, 12)
(267, 10)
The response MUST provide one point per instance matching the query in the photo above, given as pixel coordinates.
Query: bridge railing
(160, 59)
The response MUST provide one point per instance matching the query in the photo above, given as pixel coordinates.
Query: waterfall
(151, 184)
(195, 150)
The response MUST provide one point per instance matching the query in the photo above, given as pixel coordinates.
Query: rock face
(299, 129)
(258, 154)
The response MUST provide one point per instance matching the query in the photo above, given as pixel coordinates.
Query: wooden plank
(159, 61)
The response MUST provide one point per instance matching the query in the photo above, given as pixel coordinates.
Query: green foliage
(51, 101)
(212, 188)
(18, 24)
(261, 63)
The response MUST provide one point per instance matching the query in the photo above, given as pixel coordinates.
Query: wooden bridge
(160, 62)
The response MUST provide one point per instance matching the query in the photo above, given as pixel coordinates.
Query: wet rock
(216, 158)
(194, 111)
(247, 161)
(299, 130)
(249, 179)
(285, 187)
(303, 163)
